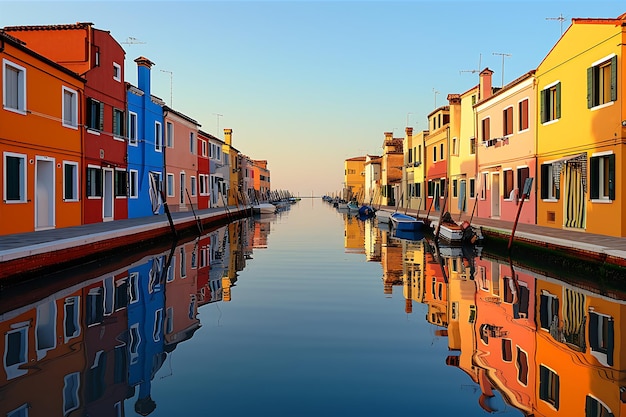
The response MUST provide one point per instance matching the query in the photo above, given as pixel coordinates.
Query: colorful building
(219, 176)
(145, 145)
(262, 180)
(96, 55)
(40, 141)
(506, 157)
(581, 129)
(354, 178)
(391, 170)
(436, 158)
(204, 170)
(181, 160)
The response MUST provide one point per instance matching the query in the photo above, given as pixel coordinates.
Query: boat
(263, 208)
(453, 232)
(383, 216)
(353, 205)
(405, 222)
(367, 212)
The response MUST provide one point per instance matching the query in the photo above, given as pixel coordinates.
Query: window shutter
(594, 171)
(115, 127)
(557, 391)
(544, 181)
(610, 344)
(101, 121)
(593, 331)
(543, 312)
(558, 101)
(589, 87)
(611, 159)
(614, 78)
(544, 108)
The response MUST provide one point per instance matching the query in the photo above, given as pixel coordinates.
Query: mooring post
(526, 193)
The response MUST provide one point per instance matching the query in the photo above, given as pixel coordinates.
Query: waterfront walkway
(27, 253)
(597, 247)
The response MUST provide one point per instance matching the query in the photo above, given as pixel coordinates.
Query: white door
(107, 195)
(44, 193)
(495, 195)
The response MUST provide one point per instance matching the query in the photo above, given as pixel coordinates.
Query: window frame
(119, 124)
(88, 182)
(169, 134)
(73, 123)
(133, 128)
(508, 183)
(523, 116)
(20, 87)
(550, 103)
(507, 121)
(158, 137)
(75, 182)
(549, 192)
(597, 83)
(485, 129)
(171, 185)
(133, 183)
(123, 191)
(602, 163)
(117, 72)
(23, 177)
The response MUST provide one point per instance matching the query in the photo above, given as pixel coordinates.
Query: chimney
(409, 132)
(143, 75)
(485, 84)
(228, 137)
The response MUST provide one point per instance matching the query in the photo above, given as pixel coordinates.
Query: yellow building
(581, 129)
(391, 170)
(413, 171)
(354, 178)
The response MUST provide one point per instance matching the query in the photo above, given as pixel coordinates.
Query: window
(472, 188)
(183, 263)
(70, 181)
(434, 154)
(507, 121)
(454, 147)
(169, 134)
(595, 408)
(14, 177)
(170, 185)
(522, 366)
(201, 180)
(118, 123)
(95, 114)
(602, 82)
(418, 157)
(601, 337)
(483, 187)
(133, 183)
(14, 91)
(507, 350)
(192, 143)
(183, 186)
(549, 386)
(548, 310)
(94, 309)
(21, 411)
(441, 151)
(193, 186)
(472, 143)
(71, 399)
(550, 102)
(522, 115)
(549, 188)
(117, 72)
(158, 325)
(522, 176)
(94, 182)
(508, 184)
(16, 351)
(132, 128)
(204, 148)
(121, 184)
(602, 181)
(71, 319)
(485, 129)
(70, 108)
(455, 188)
(158, 137)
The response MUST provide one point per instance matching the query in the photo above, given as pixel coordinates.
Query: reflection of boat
(412, 235)
(264, 208)
(405, 222)
(353, 205)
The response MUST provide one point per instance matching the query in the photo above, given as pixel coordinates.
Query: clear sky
(308, 84)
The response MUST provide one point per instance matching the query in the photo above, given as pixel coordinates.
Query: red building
(99, 58)
(204, 169)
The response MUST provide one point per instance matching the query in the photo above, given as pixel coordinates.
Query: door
(495, 194)
(462, 205)
(107, 195)
(44, 193)
(155, 192)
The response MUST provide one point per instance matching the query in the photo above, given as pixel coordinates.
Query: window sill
(74, 127)
(93, 131)
(602, 106)
(601, 201)
(550, 122)
(119, 138)
(15, 201)
(14, 110)
(550, 200)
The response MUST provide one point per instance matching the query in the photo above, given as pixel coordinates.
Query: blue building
(145, 145)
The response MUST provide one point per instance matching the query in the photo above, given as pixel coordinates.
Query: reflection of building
(412, 273)
(262, 226)
(391, 261)
(372, 242)
(435, 288)
(354, 235)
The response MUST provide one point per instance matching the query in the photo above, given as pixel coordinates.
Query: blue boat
(366, 211)
(405, 222)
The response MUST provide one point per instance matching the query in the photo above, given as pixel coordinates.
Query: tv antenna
(132, 41)
(474, 71)
(435, 92)
(560, 18)
(218, 123)
(503, 56)
(171, 77)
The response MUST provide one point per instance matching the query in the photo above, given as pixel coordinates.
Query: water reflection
(548, 345)
(89, 342)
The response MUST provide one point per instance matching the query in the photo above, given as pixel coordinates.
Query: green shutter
(542, 103)
(558, 101)
(101, 121)
(611, 159)
(614, 78)
(545, 183)
(589, 87)
(594, 177)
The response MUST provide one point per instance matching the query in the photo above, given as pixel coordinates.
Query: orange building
(40, 141)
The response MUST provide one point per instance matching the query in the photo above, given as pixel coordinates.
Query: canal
(311, 312)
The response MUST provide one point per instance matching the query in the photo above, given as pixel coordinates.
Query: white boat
(263, 208)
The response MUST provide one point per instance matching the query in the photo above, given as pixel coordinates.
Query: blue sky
(308, 84)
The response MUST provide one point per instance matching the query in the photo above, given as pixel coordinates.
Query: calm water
(310, 312)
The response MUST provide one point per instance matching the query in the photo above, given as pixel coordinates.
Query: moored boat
(405, 222)
(263, 208)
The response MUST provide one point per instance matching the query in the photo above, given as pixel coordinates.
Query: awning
(578, 161)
